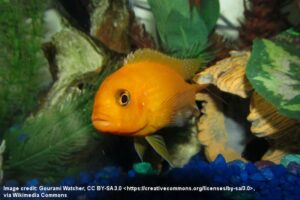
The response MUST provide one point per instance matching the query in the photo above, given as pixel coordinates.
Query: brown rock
(265, 119)
(228, 75)
(213, 134)
(110, 25)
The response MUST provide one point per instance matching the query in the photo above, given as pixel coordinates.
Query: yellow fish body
(148, 93)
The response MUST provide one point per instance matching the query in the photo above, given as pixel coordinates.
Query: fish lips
(101, 122)
(104, 124)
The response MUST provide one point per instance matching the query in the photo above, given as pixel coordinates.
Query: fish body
(148, 93)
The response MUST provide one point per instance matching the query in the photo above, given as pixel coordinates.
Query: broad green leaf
(210, 11)
(182, 30)
(274, 72)
(183, 33)
(161, 10)
(289, 38)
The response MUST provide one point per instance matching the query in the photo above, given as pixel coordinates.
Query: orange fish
(148, 93)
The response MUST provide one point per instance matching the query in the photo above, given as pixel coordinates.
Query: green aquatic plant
(274, 71)
(46, 142)
(57, 139)
(54, 141)
(22, 65)
(184, 29)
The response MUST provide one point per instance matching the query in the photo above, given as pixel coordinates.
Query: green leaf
(274, 72)
(161, 10)
(180, 28)
(210, 11)
(183, 33)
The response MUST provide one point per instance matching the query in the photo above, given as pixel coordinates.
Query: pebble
(269, 180)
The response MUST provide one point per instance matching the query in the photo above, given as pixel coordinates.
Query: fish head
(119, 106)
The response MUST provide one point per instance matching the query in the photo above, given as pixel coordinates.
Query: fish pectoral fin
(157, 142)
(140, 146)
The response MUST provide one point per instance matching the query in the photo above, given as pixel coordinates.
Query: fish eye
(123, 97)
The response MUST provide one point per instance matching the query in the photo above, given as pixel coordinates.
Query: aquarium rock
(76, 59)
(214, 133)
(228, 74)
(110, 24)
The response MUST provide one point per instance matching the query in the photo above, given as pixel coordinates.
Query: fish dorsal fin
(185, 67)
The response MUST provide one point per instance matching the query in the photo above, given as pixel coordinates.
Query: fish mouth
(100, 121)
